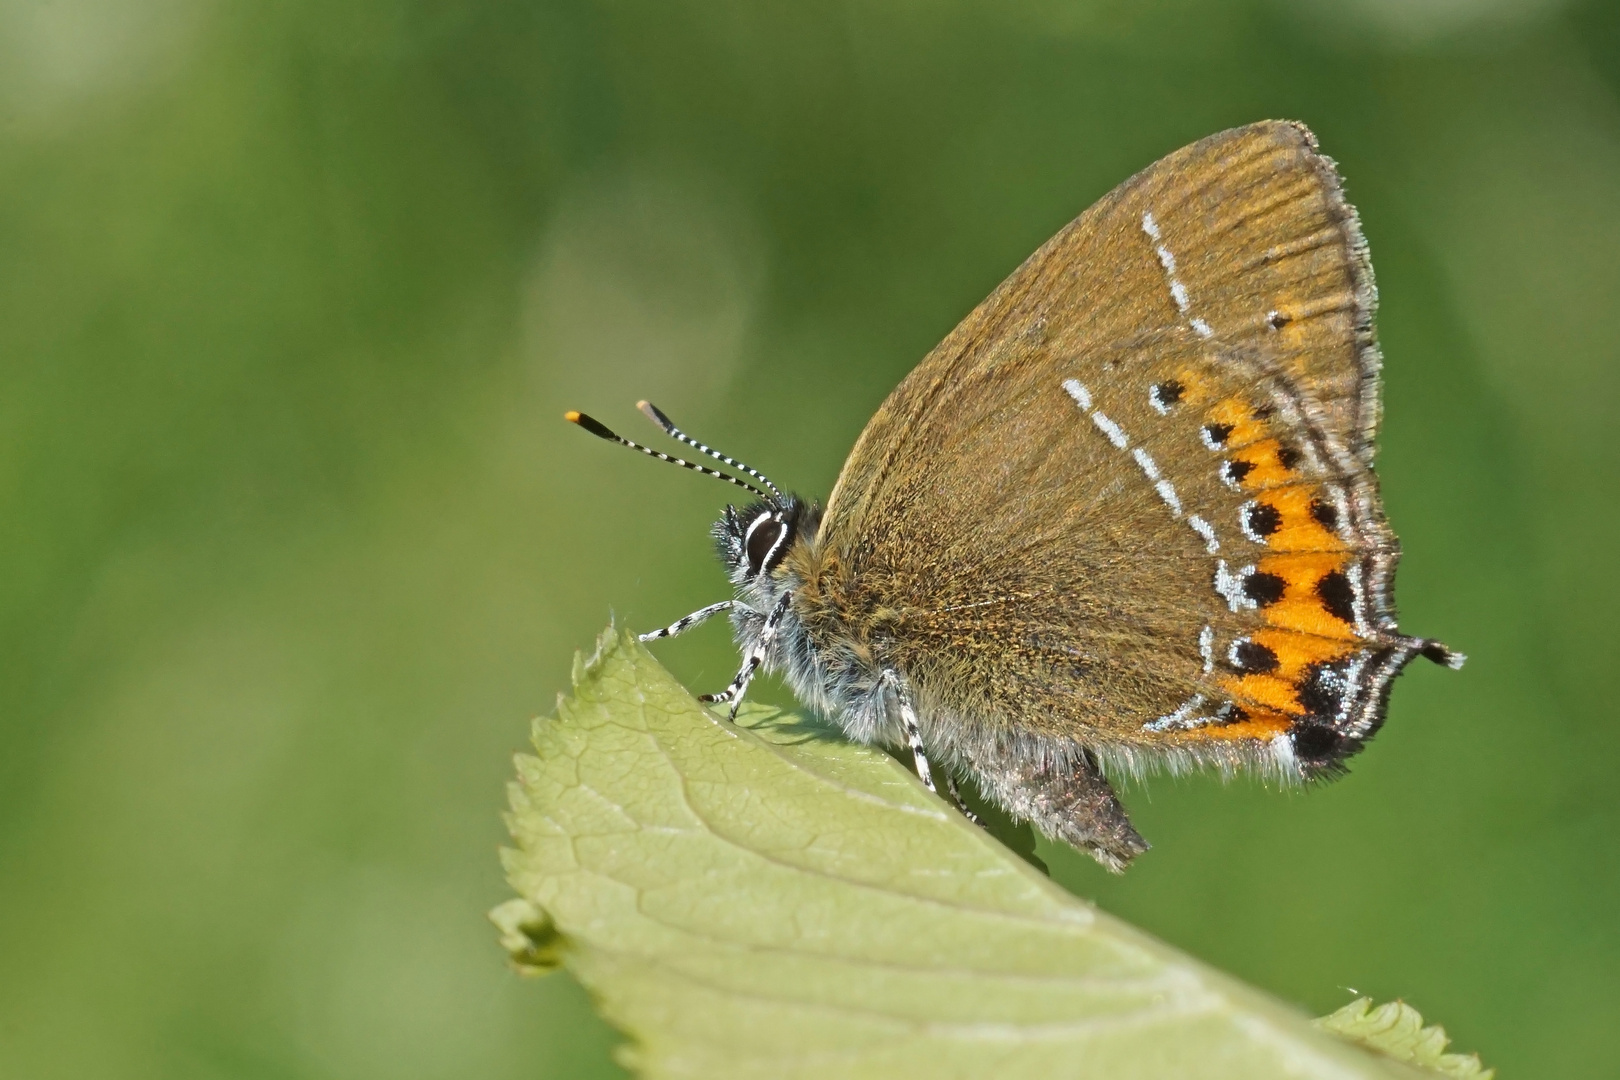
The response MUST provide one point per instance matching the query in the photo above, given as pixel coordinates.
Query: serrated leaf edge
(1397, 1030)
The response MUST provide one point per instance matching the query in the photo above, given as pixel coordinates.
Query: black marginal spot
(1253, 657)
(1263, 588)
(1326, 514)
(1288, 457)
(1319, 749)
(1277, 320)
(1262, 519)
(1231, 714)
(1233, 472)
(1217, 434)
(1167, 393)
(1322, 692)
(1337, 596)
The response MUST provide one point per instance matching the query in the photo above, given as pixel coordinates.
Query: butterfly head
(753, 541)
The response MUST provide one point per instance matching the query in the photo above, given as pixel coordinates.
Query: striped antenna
(601, 431)
(656, 415)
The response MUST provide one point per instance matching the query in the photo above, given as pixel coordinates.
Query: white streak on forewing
(1181, 718)
(1167, 259)
(1206, 648)
(1082, 396)
(1115, 433)
(1145, 460)
(1230, 586)
(1207, 531)
(1178, 293)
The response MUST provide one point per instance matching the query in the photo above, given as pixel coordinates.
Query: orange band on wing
(1259, 724)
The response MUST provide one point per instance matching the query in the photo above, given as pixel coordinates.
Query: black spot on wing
(1319, 749)
(1337, 596)
(1263, 588)
(1262, 519)
(1233, 472)
(1322, 692)
(1167, 393)
(1253, 657)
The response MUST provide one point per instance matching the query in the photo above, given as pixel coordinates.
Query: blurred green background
(295, 541)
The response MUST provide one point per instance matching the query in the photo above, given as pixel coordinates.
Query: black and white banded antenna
(602, 431)
(656, 415)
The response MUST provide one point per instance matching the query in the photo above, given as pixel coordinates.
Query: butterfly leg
(682, 625)
(956, 797)
(752, 661)
(919, 752)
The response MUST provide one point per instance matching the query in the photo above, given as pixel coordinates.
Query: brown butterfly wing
(1262, 227)
(1127, 502)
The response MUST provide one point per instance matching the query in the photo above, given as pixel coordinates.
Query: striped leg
(756, 656)
(681, 626)
(908, 720)
(956, 797)
(919, 753)
(738, 686)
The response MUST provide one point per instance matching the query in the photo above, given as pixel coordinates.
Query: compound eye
(763, 543)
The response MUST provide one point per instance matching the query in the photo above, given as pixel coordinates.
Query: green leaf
(1397, 1029)
(763, 899)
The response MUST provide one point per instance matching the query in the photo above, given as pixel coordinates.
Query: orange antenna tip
(571, 416)
(656, 415)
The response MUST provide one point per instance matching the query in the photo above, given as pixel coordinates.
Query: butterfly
(1123, 517)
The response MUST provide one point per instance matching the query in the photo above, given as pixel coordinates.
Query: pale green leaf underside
(1396, 1029)
(762, 900)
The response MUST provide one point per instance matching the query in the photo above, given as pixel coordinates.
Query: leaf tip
(608, 642)
(528, 935)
